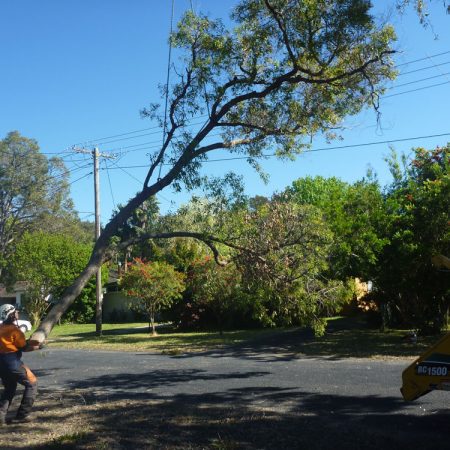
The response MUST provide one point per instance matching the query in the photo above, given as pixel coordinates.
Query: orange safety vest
(11, 339)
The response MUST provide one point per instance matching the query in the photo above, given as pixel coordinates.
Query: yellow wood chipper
(431, 371)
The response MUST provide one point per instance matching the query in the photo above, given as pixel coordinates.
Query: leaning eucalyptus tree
(287, 70)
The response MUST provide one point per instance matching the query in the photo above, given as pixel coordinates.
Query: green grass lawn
(136, 337)
(345, 337)
(350, 337)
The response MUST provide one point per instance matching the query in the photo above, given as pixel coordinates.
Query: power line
(415, 90)
(219, 134)
(52, 153)
(422, 59)
(146, 144)
(423, 68)
(99, 141)
(149, 145)
(110, 186)
(142, 143)
(129, 174)
(119, 149)
(62, 175)
(72, 182)
(78, 179)
(419, 81)
(116, 135)
(366, 144)
(169, 61)
(437, 65)
(130, 137)
(323, 149)
(85, 216)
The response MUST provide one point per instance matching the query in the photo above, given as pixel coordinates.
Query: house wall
(13, 298)
(118, 308)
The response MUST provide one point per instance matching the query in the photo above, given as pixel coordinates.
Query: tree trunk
(152, 323)
(98, 256)
(152, 320)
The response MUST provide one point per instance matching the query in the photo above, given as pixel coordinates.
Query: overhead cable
(98, 140)
(322, 149)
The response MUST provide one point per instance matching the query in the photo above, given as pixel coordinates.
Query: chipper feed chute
(429, 372)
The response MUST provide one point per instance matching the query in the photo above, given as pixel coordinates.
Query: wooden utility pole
(98, 287)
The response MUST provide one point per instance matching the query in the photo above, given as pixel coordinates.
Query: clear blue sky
(76, 71)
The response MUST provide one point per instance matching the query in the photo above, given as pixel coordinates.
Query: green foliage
(141, 221)
(67, 224)
(144, 219)
(182, 252)
(32, 188)
(421, 8)
(216, 294)
(48, 263)
(283, 258)
(286, 71)
(83, 308)
(353, 212)
(155, 284)
(411, 289)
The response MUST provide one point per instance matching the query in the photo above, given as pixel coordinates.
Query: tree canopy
(416, 227)
(154, 284)
(354, 213)
(47, 263)
(286, 71)
(31, 189)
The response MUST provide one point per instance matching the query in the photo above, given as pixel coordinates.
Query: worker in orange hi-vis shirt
(12, 369)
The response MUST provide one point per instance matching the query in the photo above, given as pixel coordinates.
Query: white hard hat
(6, 310)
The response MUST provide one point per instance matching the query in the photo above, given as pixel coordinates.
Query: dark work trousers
(12, 372)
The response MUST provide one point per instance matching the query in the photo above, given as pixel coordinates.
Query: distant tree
(143, 220)
(47, 263)
(257, 201)
(66, 223)
(154, 284)
(409, 287)
(31, 188)
(287, 71)
(354, 213)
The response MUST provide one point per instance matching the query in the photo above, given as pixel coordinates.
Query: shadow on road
(250, 418)
(128, 385)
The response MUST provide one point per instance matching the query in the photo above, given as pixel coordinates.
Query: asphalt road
(334, 395)
(122, 374)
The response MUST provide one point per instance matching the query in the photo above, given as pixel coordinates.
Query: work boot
(4, 405)
(23, 419)
(24, 413)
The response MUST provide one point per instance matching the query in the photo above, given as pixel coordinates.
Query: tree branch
(208, 240)
(174, 126)
(279, 22)
(291, 77)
